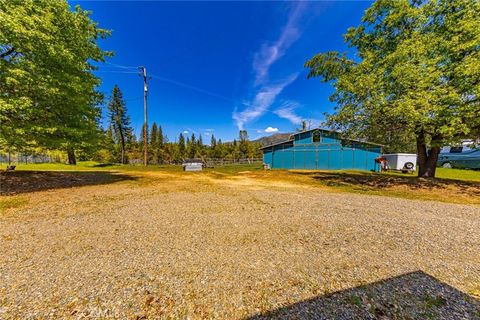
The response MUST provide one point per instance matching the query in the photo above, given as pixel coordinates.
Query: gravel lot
(193, 246)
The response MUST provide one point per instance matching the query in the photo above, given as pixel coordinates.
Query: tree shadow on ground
(414, 295)
(369, 180)
(16, 182)
(103, 165)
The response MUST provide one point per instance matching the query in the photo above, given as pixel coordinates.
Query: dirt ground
(178, 245)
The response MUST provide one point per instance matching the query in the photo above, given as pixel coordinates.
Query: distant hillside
(273, 139)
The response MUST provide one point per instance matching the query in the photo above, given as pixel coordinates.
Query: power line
(120, 66)
(178, 83)
(114, 71)
(188, 86)
(133, 99)
(127, 99)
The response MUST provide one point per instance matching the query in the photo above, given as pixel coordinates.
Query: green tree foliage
(417, 76)
(153, 144)
(192, 146)
(158, 151)
(161, 139)
(181, 146)
(220, 150)
(213, 150)
(111, 151)
(47, 90)
(140, 145)
(119, 123)
(161, 151)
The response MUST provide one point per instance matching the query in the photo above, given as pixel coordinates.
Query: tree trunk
(122, 145)
(71, 156)
(427, 159)
(123, 155)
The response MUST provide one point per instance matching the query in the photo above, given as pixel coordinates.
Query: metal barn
(320, 149)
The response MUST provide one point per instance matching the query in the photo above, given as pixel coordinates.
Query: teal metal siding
(331, 153)
(299, 160)
(268, 157)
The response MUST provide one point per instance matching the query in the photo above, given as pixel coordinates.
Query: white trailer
(405, 162)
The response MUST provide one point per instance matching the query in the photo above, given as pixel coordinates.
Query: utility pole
(143, 74)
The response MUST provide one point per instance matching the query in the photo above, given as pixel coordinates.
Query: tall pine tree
(119, 121)
(154, 144)
(161, 140)
(181, 146)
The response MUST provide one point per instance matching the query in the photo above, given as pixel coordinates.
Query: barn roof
(291, 139)
(276, 144)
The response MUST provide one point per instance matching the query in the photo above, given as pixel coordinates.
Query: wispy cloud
(262, 101)
(208, 132)
(269, 53)
(287, 111)
(265, 89)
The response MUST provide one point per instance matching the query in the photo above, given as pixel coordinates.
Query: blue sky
(218, 67)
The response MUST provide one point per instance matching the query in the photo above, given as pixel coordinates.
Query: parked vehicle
(459, 157)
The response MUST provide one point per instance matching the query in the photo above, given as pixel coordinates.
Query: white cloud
(185, 132)
(265, 90)
(271, 130)
(287, 111)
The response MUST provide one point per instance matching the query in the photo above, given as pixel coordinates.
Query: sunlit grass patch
(81, 166)
(458, 174)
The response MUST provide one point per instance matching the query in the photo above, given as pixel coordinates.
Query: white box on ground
(401, 161)
(192, 165)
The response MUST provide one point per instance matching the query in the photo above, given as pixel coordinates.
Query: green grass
(431, 301)
(444, 173)
(81, 166)
(355, 300)
(458, 174)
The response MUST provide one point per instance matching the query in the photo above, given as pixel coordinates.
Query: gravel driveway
(167, 246)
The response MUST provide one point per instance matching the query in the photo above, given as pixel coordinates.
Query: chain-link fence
(19, 158)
